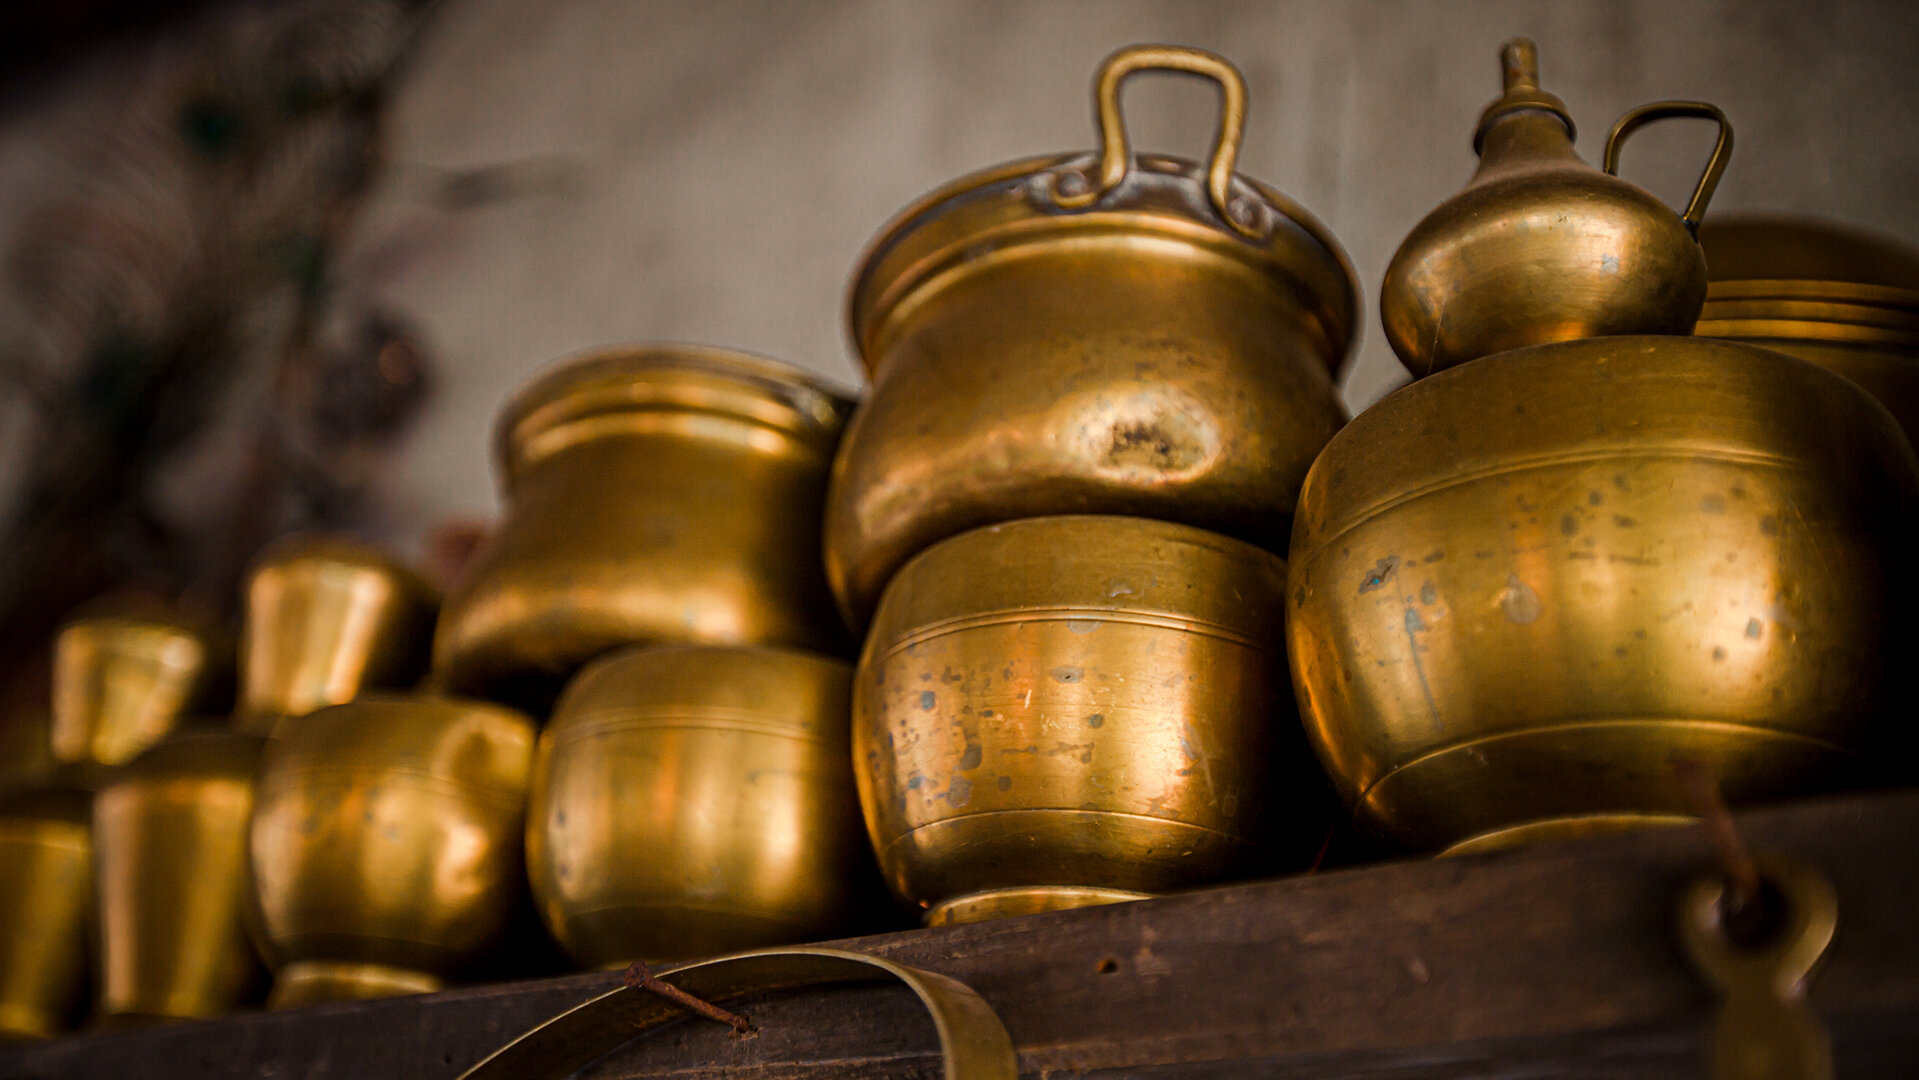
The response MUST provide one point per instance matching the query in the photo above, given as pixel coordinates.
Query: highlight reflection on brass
(122, 681)
(1070, 710)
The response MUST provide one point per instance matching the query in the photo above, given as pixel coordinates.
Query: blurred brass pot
(658, 493)
(122, 681)
(1520, 585)
(325, 618)
(694, 800)
(170, 843)
(1542, 247)
(386, 843)
(1103, 333)
(46, 907)
(1072, 710)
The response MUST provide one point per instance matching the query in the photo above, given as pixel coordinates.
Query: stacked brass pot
(1522, 585)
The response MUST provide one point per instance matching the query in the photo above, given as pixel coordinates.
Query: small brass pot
(123, 680)
(1073, 710)
(46, 908)
(325, 618)
(692, 800)
(1100, 333)
(658, 494)
(170, 843)
(1522, 584)
(386, 843)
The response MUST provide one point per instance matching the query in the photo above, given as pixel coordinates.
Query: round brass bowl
(386, 844)
(1067, 710)
(46, 908)
(1520, 585)
(659, 493)
(692, 800)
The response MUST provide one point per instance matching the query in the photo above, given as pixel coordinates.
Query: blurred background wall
(557, 174)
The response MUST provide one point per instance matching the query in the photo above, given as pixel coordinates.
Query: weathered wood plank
(1554, 961)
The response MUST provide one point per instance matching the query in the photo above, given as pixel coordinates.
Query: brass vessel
(1540, 246)
(122, 681)
(1102, 333)
(1521, 584)
(1840, 297)
(46, 908)
(170, 847)
(325, 618)
(692, 800)
(658, 493)
(1065, 711)
(386, 843)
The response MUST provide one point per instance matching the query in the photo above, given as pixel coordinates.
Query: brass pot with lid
(1106, 333)
(657, 493)
(1542, 247)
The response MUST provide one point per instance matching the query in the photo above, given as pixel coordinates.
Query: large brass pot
(695, 800)
(1071, 710)
(1090, 333)
(386, 843)
(325, 618)
(122, 681)
(1521, 584)
(170, 843)
(46, 908)
(658, 493)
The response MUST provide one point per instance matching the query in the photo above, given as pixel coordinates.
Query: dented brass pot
(1521, 585)
(1064, 711)
(658, 493)
(325, 618)
(386, 843)
(692, 800)
(170, 843)
(1090, 333)
(46, 907)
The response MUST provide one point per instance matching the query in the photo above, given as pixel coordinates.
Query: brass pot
(170, 844)
(325, 618)
(1521, 584)
(691, 800)
(658, 494)
(1827, 293)
(123, 680)
(46, 908)
(1542, 247)
(1090, 333)
(386, 843)
(1074, 710)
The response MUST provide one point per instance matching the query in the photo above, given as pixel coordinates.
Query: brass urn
(658, 493)
(1064, 711)
(386, 843)
(326, 617)
(1542, 247)
(693, 800)
(1106, 332)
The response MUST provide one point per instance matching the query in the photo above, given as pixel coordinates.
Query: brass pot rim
(613, 379)
(336, 547)
(1166, 197)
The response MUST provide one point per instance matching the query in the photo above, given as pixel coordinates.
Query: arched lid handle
(1664, 110)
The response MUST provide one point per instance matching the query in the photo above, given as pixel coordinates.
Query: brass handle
(1662, 110)
(1115, 156)
(973, 1042)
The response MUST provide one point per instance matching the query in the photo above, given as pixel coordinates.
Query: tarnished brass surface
(1072, 334)
(1542, 247)
(386, 842)
(658, 493)
(1091, 702)
(691, 800)
(1520, 585)
(326, 617)
(46, 906)
(121, 682)
(170, 843)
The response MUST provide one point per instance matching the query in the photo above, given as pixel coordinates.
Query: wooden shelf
(1551, 961)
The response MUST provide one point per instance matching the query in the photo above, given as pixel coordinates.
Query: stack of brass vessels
(1098, 381)
(1525, 582)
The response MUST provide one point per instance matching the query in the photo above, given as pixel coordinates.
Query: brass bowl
(661, 493)
(123, 680)
(46, 908)
(1073, 710)
(325, 618)
(170, 844)
(386, 843)
(1521, 584)
(1109, 334)
(693, 800)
